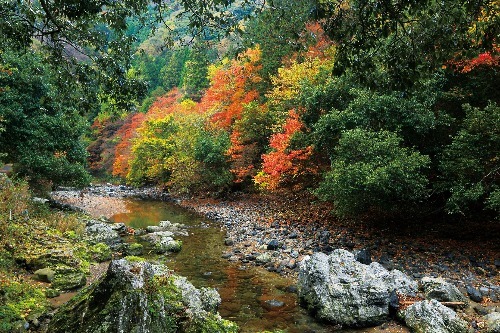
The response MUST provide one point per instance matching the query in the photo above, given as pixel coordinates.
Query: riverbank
(276, 232)
(299, 227)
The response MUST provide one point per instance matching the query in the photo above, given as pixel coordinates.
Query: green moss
(100, 252)
(6, 260)
(134, 249)
(68, 278)
(211, 323)
(172, 246)
(71, 235)
(134, 259)
(51, 293)
(17, 301)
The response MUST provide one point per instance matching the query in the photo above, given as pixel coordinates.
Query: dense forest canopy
(385, 108)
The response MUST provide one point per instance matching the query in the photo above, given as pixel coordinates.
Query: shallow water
(244, 289)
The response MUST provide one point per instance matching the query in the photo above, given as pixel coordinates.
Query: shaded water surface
(244, 289)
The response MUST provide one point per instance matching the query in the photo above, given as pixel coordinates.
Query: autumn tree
(249, 140)
(231, 88)
(123, 150)
(284, 165)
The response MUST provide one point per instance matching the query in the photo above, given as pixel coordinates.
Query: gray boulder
(138, 296)
(167, 226)
(439, 289)
(433, 317)
(163, 242)
(101, 232)
(492, 322)
(340, 290)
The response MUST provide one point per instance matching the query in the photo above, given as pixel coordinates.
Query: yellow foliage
(288, 81)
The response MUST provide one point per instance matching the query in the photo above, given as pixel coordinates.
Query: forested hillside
(332, 163)
(382, 108)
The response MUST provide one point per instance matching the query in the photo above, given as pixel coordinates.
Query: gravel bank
(277, 232)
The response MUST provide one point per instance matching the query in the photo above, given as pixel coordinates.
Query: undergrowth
(29, 229)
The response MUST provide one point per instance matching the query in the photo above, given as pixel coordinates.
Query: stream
(244, 289)
(248, 292)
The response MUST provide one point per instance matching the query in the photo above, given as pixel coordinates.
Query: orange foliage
(123, 149)
(283, 163)
(164, 105)
(231, 88)
(322, 43)
(486, 59)
(102, 149)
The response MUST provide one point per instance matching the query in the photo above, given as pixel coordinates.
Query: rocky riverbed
(277, 233)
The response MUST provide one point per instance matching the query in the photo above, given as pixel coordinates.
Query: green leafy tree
(171, 73)
(372, 173)
(278, 31)
(470, 165)
(390, 45)
(409, 117)
(210, 149)
(43, 127)
(195, 73)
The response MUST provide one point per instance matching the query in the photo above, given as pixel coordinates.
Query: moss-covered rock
(100, 252)
(163, 241)
(45, 274)
(51, 293)
(134, 249)
(68, 278)
(139, 297)
(170, 245)
(102, 232)
(41, 257)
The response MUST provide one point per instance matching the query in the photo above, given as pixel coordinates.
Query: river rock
(340, 290)
(432, 316)
(167, 226)
(440, 290)
(263, 258)
(140, 297)
(120, 227)
(273, 245)
(364, 256)
(163, 242)
(474, 294)
(492, 322)
(101, 232)
(273, 304)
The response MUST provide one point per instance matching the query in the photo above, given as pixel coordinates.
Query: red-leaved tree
(283, 165)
